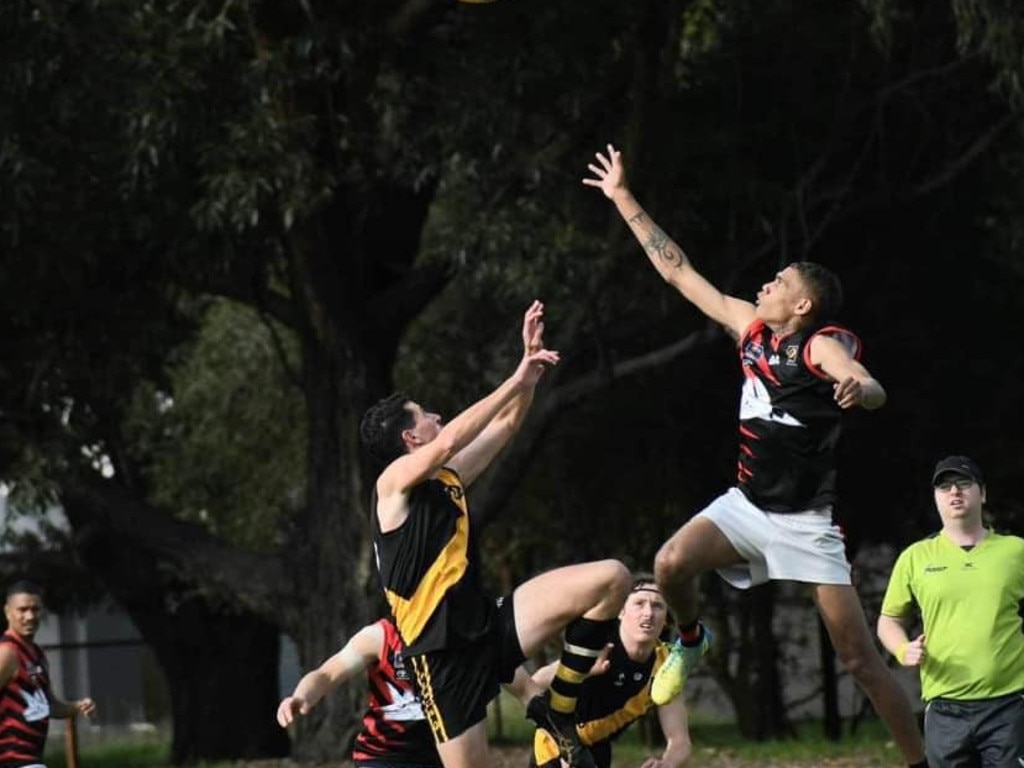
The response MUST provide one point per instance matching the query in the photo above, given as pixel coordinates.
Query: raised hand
(609, 175)
(533, 328)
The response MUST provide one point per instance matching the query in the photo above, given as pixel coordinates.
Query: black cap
(958, 465)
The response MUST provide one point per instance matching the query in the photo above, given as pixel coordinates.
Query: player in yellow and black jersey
(460, 642)
(618, 691)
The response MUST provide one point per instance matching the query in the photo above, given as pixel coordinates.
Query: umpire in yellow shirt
(967, 584)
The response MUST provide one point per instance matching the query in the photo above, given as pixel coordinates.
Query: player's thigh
(843, 616)
(545, 604)
(467, 750)
(699, 546)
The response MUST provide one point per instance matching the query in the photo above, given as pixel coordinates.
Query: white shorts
(792, 546)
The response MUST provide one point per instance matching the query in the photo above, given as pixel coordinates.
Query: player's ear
(803, 306)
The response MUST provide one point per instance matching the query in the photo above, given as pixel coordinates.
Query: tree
(326, 165)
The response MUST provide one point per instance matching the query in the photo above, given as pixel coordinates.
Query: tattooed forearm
(636, 218)
(659, 244)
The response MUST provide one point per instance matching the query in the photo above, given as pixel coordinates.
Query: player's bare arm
(854, 384)
(362, 650)
(403, 473)
(667, 257)
(472, 460)
(675, 726)
(8, 664)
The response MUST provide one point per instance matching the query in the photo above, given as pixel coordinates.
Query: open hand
(609, 175)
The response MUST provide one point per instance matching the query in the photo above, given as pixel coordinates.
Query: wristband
(901, 652)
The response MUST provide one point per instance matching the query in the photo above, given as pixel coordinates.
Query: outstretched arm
(664, 253)
(406, 471)
(472, 460)
(676, 727)
(362, 650)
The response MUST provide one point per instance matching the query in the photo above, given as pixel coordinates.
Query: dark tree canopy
(226, 229)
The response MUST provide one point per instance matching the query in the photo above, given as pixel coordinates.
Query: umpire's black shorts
(455, 685)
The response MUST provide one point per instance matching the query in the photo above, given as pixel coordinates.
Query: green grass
(713, 743)
(114, 754)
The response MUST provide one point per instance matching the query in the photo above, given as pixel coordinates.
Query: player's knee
(863, 664)
(669, 563)
(620, 579)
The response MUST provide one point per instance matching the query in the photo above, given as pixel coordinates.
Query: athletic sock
(689, 634)
(584, 640)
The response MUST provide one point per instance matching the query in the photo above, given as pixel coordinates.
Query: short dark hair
(641, 578)
(825, 288)
(24, 587)
(382, 426)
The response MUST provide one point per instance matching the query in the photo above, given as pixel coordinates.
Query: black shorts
(455, 685)
(979, 732)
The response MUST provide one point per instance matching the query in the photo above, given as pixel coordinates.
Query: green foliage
(224, 444)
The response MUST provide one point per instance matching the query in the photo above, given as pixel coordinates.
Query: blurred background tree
(226, 229)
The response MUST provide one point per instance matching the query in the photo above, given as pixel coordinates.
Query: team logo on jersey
(620, 680)
(398, 663)
(791, 352)
(404, 706)
(753, 351)
(756, 403)
(37, 706)
(638, 676)
(773, 360)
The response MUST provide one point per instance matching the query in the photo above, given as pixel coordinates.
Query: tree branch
(96, 507)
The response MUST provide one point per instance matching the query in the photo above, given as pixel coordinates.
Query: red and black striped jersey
(395, 730)
(24, 705)
(789, 423)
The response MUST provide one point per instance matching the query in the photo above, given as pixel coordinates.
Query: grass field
(715, 745)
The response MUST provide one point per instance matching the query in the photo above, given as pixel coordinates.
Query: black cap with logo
(958, 465)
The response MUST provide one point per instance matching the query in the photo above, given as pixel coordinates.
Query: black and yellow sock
(584, 639)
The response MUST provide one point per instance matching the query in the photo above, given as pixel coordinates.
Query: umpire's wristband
(901, 652)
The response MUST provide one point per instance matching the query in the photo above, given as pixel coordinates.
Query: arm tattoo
(636, 218)
(660, 245)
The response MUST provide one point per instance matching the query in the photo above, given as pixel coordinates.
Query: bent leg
(843, 615)
(545, 604)
(699, 546)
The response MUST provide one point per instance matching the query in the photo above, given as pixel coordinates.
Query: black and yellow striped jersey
(429, 569)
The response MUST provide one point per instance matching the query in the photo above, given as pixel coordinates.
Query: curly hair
(382, 426)
(825, 288)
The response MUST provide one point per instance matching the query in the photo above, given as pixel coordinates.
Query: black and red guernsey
(789, 423)
(395, 730)
(24, 705)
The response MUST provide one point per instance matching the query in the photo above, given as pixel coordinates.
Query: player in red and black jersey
(395, 730)
(26, 701)
(800, 373)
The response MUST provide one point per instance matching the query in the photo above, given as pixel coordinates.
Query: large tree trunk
(220, 662)
(221, 706)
